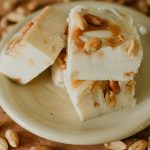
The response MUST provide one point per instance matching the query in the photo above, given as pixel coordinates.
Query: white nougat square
(103, 44)
(90, 99)
(35, 47)
(93, 98)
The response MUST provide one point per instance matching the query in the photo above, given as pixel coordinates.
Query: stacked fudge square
(96, 60)
(35, 47)
(103, 55)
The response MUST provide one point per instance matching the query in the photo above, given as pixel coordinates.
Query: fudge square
(93, 98)
(103, 44)
(35, 47)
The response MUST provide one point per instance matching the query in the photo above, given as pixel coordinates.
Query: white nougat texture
(92, 104)
(89, 104)
(38, 47)
(25, 67)
(107, 63)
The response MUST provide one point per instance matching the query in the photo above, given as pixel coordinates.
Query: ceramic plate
(45, 110)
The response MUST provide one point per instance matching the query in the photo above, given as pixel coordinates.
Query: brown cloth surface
(28, 139)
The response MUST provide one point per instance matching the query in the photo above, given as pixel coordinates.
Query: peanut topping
(94, 20)
(105, 85)
(76, 83)
(115, 29)
(130, 86)
(96, 105)
(26, 28)
(114, 85)
(110, 99)
(13, 43)
(115, 41)
(81, 22)
(95, 85)
(100, 84)
(61, 60)
(133, 48)
(94, 24)
(129, 74)
(79, 43)
(76, 33)
(92, 45)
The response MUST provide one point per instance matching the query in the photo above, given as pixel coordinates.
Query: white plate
(46, 110)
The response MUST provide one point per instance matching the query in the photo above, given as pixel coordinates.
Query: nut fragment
(76, 83)
(94, 20)
(114, 85)
(105, 86)
(80, 20)
(75, 34)
(115, 41)
(3, 144)
(133, 48)
(129, 87)
(12, 138)
(40, 148)
(92, 45)
(62, 64)
(61, 60)
(116, 145)
(79, 43)
(129, 74)
(95, 85)
(110, 99)
(96, 104)
(139, 145)
(25, 29)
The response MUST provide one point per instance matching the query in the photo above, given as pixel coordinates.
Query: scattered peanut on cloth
(116, 145)
(3, 144)
(119, 145)
(12, 138)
